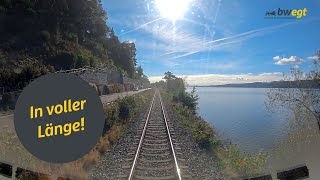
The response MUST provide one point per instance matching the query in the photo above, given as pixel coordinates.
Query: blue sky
(217, 41)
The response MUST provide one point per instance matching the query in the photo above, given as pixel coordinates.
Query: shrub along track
(146, 152)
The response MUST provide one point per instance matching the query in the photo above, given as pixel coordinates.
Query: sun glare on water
(172, 9)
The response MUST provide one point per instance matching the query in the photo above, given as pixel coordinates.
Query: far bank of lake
(240, 116)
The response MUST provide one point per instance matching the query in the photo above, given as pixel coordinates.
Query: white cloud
(285, 61)
(313, 58)
(219, 79)
(155, 78)
(271, 74)
(277, 58)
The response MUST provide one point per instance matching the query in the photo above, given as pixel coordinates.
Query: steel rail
(141, 140)
(143, 134)
(171, 144)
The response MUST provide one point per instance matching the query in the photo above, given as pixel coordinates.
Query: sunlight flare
(172, 9)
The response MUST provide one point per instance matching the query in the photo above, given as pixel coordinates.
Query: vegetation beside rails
(119, 115)
(232, 161)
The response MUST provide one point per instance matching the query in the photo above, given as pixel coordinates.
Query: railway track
(155, 152)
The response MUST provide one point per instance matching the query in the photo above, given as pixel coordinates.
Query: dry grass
(25, 174)
(103, 144)
(10, 145)
(91, 159)
(114, 133)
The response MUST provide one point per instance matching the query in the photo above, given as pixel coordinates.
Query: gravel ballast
(200, 164)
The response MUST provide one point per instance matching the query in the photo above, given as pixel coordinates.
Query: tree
(63, 34)
(168, 76)
(174, 84)
(140, 71)
(300, 96)
(189, 100)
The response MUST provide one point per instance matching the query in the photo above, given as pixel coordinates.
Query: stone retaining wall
(104, 80)
(104, 76)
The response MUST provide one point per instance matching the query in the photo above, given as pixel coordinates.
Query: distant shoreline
(273, 84)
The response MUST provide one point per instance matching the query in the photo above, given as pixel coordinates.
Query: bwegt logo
(285, 13)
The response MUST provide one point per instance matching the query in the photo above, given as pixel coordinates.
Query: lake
(240, 116)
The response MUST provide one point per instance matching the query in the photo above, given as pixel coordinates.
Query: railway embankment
(192, 160)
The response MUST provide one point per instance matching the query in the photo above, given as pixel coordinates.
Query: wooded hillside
(41, 36)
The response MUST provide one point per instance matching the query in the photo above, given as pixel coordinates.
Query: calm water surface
(240, 116)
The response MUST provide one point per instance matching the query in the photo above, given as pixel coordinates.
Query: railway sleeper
(122, 176)
(155, 136)
(155, 130)
(155, 178)
(155, 160)
(156, 154)
(157, 124)
(155, 140)
(156, 149)
(170, 167)
(156, 144)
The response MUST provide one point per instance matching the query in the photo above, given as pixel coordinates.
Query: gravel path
(113, 97)
(200, 164)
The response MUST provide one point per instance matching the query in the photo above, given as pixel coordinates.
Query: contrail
(196, 51)
(141, 26)
(234, 39)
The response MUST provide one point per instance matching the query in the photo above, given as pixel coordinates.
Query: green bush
(73, 37)
(74, 57)
(187, 99)
(244, 163)
(99, 49)
(175, 85)
(126, 107)
(123, 109)
(83, 57)
(232, 157)
(204, 134)
(44, 35)
(93, 62)
(112, 115)
(201, 130)
(63, 60)
(16, 81)
(81, 61)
